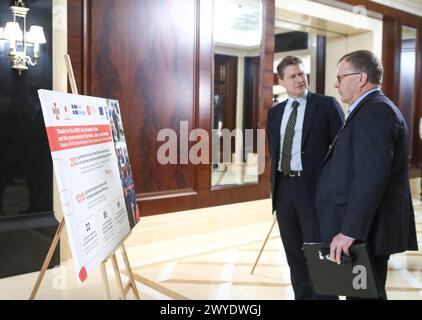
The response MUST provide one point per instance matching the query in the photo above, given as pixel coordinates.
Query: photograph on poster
(125, 170)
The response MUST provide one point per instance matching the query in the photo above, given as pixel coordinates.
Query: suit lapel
(348, 120)
(309, 113)
(277, 124)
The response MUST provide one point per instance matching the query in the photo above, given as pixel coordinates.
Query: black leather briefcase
(354, 277)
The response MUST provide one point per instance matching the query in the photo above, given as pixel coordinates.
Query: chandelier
(20, 40)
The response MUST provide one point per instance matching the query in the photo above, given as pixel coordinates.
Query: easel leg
(105, 280)
(118, 277)
(129, 272)
(70, 74)
(263, 246)
(47, 260)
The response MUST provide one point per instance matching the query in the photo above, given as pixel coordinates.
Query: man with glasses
(300, 131)
(363, 191)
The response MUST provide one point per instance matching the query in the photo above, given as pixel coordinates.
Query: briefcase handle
(324, 254)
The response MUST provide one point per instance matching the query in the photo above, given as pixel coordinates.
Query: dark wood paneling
(417, 140)
(75, 39)
(156, 57)
(251, 96)
(320, 62)
(251, 90)
(267, 83)
(391, 47)
(151, 74)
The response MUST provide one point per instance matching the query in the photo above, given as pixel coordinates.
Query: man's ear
(363, 79)
(281, 82)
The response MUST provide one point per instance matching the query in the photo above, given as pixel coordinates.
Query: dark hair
(287, 61)
(365, 61)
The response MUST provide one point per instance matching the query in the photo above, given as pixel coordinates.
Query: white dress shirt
(296, 161)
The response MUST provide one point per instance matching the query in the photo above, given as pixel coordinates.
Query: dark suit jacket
(363, 188)
(323, 118)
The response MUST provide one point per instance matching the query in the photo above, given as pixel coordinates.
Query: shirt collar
(301, 100)
(359, 100)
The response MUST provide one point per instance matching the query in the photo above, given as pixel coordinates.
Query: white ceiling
(238, 22)
(411, 6)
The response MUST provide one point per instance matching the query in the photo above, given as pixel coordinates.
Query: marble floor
(206, 254)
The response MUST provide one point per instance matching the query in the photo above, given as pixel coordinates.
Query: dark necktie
(286, 153)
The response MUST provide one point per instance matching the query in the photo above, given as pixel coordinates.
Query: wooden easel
(264, 244)
(123, 290)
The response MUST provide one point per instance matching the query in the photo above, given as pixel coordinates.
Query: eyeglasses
(340, 77)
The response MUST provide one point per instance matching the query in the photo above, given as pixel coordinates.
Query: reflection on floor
(208, 254)
(236, 173)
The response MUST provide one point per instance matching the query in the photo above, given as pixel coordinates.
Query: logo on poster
(56, 111)
(78, 110)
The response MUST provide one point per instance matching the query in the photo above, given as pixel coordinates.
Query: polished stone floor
(206, 254)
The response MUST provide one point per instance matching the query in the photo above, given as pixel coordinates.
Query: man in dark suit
(300, 131)
(363, 190)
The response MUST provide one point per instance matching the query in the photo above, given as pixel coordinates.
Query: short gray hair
(365, 61)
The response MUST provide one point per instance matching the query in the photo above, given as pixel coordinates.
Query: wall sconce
(19, 40)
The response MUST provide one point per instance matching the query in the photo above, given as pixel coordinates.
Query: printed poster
(93, 174)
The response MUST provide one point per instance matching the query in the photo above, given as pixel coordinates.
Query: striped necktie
(286, 153)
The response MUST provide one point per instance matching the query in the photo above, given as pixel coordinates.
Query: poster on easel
(93, 174)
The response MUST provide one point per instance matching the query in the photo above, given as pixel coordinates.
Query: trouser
(298, 223)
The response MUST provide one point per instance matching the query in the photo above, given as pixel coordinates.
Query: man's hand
(339, 244)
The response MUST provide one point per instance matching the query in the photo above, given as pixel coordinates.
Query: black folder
(354, 277)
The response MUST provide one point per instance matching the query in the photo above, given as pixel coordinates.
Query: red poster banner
(70, 137)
